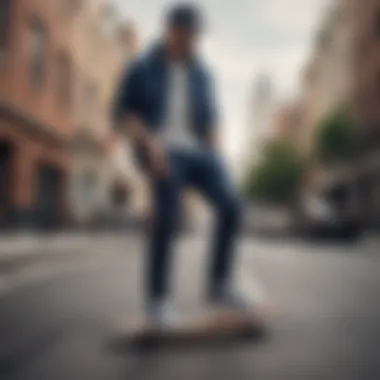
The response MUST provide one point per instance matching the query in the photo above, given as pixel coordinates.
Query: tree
(335, 137)
(278, 176)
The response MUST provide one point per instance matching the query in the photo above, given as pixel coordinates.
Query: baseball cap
(185, 15)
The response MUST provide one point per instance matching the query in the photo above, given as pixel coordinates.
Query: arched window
(64, 80)
(37, 49)
(90, 102)
(70, 8)
(5, 10)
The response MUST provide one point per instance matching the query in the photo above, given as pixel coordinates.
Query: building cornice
(47, 133)
(32, 127)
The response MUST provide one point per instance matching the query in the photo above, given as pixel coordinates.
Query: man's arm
(212, 139)
(126, 110)
(128, 118)
(211, 131)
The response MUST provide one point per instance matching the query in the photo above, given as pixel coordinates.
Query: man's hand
(157, 162)
(154, 152)
(211, 140)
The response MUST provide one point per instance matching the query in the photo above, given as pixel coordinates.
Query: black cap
(185, 15)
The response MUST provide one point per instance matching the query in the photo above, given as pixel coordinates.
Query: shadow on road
(146, 346)
(142, 358)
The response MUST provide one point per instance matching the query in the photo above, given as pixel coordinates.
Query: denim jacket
(143, 91)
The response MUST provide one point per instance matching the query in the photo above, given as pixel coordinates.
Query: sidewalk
(29, 258)
(25, 244)
(16, 244)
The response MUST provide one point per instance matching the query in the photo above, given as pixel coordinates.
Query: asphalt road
(327, 324)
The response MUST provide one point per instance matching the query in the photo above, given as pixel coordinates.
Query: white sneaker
(161, 315)
(234, 301)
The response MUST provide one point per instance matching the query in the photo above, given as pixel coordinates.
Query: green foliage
(335, 137)
(277, 178)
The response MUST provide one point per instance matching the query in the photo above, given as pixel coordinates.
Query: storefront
(33, 175)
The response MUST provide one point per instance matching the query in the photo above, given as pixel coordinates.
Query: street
(326, 323)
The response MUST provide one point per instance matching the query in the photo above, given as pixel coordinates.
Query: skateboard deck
(204, 327)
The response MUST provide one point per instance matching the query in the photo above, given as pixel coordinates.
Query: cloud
(294, 16)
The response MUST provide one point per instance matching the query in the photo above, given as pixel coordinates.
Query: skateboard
(211, 326)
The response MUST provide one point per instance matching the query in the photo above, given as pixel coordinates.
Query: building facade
(59, 62)
(327, 77)
(104, 186)
(37, 98)
(286, 123)
(365, 30)
(345, 69)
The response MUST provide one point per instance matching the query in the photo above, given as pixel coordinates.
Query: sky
(244, 39)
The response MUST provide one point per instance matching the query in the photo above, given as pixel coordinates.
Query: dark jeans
(204, 171)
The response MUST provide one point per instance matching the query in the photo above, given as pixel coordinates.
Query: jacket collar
(157, 55)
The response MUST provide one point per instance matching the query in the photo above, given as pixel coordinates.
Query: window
(128, 42)
(84, 186)
(93, 37)
(109, 19)
(70, 8)
(5, 7)
(88, 182)
(37, 46)
(64, 81)
(377, 23)
(119, 194)
(90, 100)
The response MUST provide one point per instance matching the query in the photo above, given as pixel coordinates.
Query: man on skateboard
(165, 104)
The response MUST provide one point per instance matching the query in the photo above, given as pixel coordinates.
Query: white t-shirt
(176, 130)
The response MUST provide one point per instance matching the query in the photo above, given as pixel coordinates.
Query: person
(166, 104)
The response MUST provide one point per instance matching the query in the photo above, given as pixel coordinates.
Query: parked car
(321, 219)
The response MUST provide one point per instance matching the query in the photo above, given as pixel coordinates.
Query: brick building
(345, 68)
(365, 32)
(102, 54)
(59, 61)
(285, 123)
(37, 98)
(326, 79)
(106, 188)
